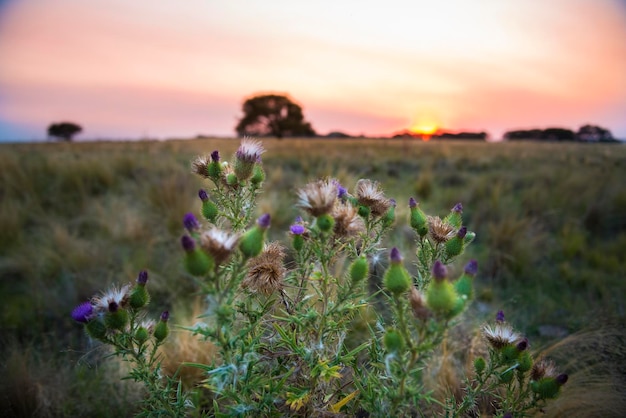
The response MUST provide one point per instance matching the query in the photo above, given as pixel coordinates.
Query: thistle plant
(282, 315)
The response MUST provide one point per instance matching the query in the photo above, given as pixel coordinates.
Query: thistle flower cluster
(285, 318)
(511, 378)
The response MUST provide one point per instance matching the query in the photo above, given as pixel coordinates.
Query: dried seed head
(118, 296)
(369, 194)
(500, 335)
(249, 151)
(200, 166)
(418, 304)
(220, 244)
(266, 271)
(439, 230)
(318, 198)
(348, 223)
(543, 368)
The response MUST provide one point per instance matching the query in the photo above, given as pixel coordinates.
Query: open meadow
(550, 223)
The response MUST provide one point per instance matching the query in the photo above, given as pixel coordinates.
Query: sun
(425, 125)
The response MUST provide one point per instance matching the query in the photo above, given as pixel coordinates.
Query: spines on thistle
(456, 244)
(251, 243)
(214, 168)
(139, 296)
(440, 295)
(397, 279)
(209, 209)
(454, 218)
(464, 285)
(161, 330)
(196, 261)
(247, 155)
(418, 219)
(359, 269)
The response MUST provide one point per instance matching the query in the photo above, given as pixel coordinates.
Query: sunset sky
(166, 68)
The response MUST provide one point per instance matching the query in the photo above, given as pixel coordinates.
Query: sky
(167, 68)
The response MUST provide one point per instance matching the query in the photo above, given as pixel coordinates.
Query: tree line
(276, 115)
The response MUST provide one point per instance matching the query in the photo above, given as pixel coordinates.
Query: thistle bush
(283, 315)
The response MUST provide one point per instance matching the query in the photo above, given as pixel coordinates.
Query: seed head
(200, 166)
(118, 296)
(266, 271)
(439, 230)
(500, 335)
(220, 244)
(318, 198)
(249, 151)
(370, 195)
(348, 223)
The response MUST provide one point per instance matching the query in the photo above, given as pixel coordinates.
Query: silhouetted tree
(592, 133)
(64, 131)
(272, 115)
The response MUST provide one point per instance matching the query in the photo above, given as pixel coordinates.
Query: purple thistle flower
(142, 278)
(264, 221)
(215, 156)
(500, 316)
(342, 192)
(395, 256)
(412, 203)
(471, 268)
(165, 316)
(562, 379)
(392, 202)
(188, 243)
(458, 208)
(462, 232)
(203, 195)
(522, 345)
(83, 312)
(440, 272)
(190, 222)
(298, 220)
(297, 229)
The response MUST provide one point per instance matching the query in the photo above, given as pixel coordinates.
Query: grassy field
(551, 243)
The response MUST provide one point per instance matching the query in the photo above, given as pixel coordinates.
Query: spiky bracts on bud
(116, 318)
(464, 285)
(325, 222)
(359, 269)
(139, 296)
(397, 279)
(258, 175)
(209, 209)
(441, 297)
(318, 198)
(248, 153)
(418, 220)
(214, 168)
(393, 341)
(161, 330)
(196, 261)
(251, 243)
(454, 218)
(548, 386)
(456, 244)
(390, 215)
(266, 272)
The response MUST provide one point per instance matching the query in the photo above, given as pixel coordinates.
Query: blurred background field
(550, 220)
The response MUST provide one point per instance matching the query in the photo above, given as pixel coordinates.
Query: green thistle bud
(397, 279)
(139, 297)
(548, 387)
(116, 317)
(393, 341)
(325, 222)
(141, 335)
(258, 175)
(364, 211)
(510, 353)
(251, 243)
(161, 330)
(417, 219)
(196, 261)
(507, 376)
(359, 269)
(454, 217)
(298, 242)
(455, 245)
(209, 209)
(231, 180)
(440, 295)
(464, 286)
(459, 306)
(469, 238)
(214, 168)
(96, 329)
(479, 365)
